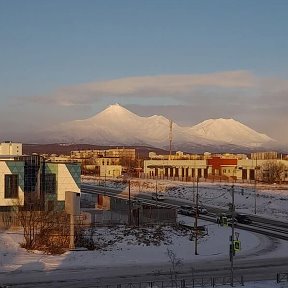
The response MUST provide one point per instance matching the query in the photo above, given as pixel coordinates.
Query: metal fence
(179, 283)
(282, 277)
(9, 220)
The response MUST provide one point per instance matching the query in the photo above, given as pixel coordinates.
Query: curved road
(253, 265)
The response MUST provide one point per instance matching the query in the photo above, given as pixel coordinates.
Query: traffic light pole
(232, 238)
(156, 194)
(196, 220)
(129, 202)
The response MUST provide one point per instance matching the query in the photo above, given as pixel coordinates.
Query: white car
(158, 196)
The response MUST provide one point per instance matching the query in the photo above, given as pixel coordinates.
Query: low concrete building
(176, 168)
(209, 167)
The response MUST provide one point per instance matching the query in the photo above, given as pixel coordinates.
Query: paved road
(91, 277)
(262, 225)
(252, 267)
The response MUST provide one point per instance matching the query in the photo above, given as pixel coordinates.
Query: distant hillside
(65, 149)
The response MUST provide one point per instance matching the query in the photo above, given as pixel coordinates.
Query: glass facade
(50, 183)
(31, 172)
(42, 182)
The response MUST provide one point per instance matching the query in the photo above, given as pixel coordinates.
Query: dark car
(202, 210)
(187, 210)
(243, 219)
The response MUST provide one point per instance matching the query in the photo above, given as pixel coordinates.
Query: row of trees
(272, 172)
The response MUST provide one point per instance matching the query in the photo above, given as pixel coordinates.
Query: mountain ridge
(117, 125)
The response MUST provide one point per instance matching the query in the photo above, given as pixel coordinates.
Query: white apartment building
(10, 148)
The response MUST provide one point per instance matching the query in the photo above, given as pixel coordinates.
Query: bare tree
(272, 172)
(7, 219)
(175, 263)
(43, 230)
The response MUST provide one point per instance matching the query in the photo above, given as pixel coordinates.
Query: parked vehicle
(202, 210)
(226, 219)
(187, 210)
(158, 196)
(243, 219)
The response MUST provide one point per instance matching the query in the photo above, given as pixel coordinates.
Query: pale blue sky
(51, 51)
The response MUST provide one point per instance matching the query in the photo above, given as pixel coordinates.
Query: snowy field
(271, 200)
(121, 247)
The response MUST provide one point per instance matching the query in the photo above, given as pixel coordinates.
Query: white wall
(8, 202)
(65, 182)
(10, 148)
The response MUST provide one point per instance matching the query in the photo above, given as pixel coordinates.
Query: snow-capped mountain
(118, 126)
(230, 131)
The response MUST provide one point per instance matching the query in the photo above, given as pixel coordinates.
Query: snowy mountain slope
(118, 126)
(230, 131)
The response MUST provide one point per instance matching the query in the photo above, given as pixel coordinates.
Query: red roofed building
(218, 166)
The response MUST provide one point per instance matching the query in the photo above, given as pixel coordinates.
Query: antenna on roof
(170, 138)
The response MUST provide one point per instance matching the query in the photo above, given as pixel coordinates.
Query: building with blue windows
(26, 180)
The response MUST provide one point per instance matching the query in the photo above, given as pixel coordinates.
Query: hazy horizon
(188, 61)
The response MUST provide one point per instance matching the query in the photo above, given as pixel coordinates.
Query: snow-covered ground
(271, 200)
(126, 248)
(264, 284)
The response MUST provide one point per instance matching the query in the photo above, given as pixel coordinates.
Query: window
(11, 186)
(50, 183)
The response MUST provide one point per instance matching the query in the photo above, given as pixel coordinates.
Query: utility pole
(193, 174)
(170, 138)
(193, 190)
(255, 189)
(196, 221)
(129, 200)
(231, 251)
(105, 174)
(156, 194)
(255, 196)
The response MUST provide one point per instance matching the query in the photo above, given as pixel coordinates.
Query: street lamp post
(129, 202)
(255, 197)
(194, 173)
(193, 189)
(105, 173)
(231, 250)
(196, 220)
(156, 195)
(255, 188)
